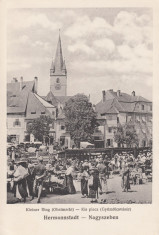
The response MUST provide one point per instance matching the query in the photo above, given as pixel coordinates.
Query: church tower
(58, 73)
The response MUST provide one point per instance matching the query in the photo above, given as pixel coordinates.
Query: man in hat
(86, 164)
(40, 172)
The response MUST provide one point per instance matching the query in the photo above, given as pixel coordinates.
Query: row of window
(128, 118)
(34, 112)
(143, 107)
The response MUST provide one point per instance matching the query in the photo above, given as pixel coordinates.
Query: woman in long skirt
(68, 181)
(125, 180)
(94, 185)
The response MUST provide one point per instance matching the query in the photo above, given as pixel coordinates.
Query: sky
(104, 48)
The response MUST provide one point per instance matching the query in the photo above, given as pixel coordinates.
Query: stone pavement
(137, 194)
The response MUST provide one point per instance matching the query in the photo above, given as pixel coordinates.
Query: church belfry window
(57, 80)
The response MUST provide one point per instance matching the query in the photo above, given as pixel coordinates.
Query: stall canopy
(84, 145)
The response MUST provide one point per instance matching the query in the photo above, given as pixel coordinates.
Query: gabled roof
(115, 103)
(128, 98)
(44, 102)
(36, 106)
(16, 102)
(106, 107)
(51, 98)
(61, 116)
(13, 88)
(63, 99)
(25, 101)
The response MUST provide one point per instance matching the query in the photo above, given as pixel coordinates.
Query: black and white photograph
(79, 105)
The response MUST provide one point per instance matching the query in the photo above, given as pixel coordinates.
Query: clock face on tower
(57, 86)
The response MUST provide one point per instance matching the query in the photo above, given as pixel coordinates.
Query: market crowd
(27, 179)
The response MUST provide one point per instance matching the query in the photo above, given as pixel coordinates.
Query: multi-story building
(120, 108)
(23, 106)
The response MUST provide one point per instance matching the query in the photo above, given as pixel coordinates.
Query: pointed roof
(44, 102)
(58, 63)
(51, 98)
(58, 66)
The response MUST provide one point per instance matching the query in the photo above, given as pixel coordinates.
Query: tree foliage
(126, 135)
(80, 118)
(40, 127)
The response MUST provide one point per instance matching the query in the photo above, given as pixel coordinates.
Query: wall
(138, 107)
(62, 84)
(16, 130)
(59, 132)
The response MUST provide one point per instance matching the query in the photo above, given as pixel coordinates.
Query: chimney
(103, 96)
(14, 80)
(118, 92)
(35, 85)
(21, 83)
(133, 93)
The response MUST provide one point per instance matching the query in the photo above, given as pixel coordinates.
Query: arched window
(57, 80)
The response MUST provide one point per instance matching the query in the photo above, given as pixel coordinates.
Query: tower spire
(58, 63)
(58, 72)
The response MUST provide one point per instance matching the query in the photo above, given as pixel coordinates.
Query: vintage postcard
(79, 123)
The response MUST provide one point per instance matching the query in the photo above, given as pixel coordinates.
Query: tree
(119, 136)
(80, 118)
(40, 127)
(126, 134)
(131, 138)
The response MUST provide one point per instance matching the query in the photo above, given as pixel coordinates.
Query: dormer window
(17, 123)
(34, 112)
(42, 112)
(62, 127)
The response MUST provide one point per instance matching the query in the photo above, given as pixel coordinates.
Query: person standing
(13, 153)
(40, 173)
(94, 184)
(125, 179)
(30, 179)
(84, 182)
(20, 175)
(102, 176)
(68, 181)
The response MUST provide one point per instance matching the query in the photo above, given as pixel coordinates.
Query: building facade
(23, 106)
(115, 108)
(118, 108)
